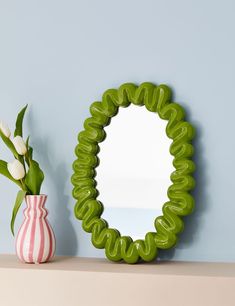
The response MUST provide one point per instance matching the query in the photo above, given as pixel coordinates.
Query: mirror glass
(134, 171)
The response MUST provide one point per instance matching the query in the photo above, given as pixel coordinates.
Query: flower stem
(23, 185)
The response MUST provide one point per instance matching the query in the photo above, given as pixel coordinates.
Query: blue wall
(59, 56)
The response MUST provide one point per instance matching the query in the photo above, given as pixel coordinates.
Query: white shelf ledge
(73, 281)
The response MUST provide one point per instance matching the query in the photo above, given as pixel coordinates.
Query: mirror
(134, 171)
(133, 176)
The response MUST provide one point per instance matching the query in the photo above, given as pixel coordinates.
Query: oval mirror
(134, 171)
(144, 178)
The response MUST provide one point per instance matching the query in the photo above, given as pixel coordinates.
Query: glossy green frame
(89, 209)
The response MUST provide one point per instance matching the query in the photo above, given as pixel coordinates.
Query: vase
(35, 241)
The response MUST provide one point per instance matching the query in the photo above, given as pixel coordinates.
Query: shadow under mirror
(134, 171)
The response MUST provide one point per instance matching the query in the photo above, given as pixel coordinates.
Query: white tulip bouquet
(23, 170)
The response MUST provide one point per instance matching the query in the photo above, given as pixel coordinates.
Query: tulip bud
(19, 145)
(16, 169)
(5, 129)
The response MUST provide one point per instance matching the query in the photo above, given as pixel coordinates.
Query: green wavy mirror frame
(89, 209)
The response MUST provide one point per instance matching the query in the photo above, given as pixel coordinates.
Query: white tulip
(16, 169)
(5, 129)
(19, 145)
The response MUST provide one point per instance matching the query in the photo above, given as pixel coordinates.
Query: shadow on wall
(57, 175)
(192, 222)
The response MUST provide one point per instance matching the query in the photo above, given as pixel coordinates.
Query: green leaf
(19, 122)
(29, 154)
(9, 144)
(34, 178)
(4, 171)
(19, 199)
(27, 142)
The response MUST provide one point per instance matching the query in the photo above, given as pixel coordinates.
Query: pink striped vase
(35, 241)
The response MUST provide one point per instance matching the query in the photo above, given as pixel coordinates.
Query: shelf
(70, 281)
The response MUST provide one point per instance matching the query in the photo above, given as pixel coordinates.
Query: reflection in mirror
(134, 171)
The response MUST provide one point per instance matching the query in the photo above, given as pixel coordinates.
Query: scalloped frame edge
(181, 203)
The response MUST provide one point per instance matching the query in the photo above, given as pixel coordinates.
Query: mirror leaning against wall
(132, 200)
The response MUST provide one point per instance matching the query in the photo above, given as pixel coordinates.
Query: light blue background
(59, 56)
